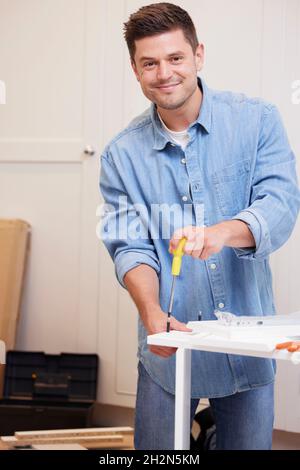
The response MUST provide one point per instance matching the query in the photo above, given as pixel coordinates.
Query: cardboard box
(14, 244)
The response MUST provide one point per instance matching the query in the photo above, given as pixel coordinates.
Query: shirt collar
(205, 113)
(204, 119)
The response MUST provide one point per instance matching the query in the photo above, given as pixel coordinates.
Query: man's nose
(164, 71)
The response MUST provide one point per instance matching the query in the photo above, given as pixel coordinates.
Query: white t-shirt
(181, 138)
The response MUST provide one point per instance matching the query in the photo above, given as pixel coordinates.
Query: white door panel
(48, 197)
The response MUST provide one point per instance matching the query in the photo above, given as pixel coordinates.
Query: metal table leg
(182, 399)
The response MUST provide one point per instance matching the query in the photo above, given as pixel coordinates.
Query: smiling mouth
(168, 87)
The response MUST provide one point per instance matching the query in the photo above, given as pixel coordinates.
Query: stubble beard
(169, 106)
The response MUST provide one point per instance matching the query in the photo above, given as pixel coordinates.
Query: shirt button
(213, 266)
(184, 198)
(183, 161)
(221, 305)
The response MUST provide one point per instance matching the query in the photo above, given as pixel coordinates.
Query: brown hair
(155, 19)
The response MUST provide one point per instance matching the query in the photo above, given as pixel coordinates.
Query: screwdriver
(176, 266)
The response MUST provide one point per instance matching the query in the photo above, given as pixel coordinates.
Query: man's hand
(143, 286)
(156, 322)
(202, 242)
(291, 346)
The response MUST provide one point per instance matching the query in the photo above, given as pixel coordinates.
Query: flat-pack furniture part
(67, 439)
(14, 236)
(210, 336)
(14, 247)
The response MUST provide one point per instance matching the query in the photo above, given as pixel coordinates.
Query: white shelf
(250, 344)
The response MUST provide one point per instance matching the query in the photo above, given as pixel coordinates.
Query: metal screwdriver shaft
(171, 304)
(176, 266)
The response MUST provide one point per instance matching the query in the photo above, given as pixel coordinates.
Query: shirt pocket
(231, 185)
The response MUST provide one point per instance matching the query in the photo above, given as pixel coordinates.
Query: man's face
(166, 67)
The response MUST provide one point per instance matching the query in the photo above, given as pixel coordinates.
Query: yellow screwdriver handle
(177, 257)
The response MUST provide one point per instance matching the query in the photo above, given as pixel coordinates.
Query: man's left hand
(291, 346)
(202, 242)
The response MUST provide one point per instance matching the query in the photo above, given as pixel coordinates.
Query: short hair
(158, 18)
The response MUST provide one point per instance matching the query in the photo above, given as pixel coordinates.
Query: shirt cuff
(260, 231)
(124, 262)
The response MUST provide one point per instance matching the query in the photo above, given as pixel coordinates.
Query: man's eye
(177, 59)
(148, 65)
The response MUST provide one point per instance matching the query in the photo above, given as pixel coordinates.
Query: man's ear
(133, 65)
(199, 56)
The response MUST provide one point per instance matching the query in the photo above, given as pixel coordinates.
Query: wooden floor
(286, 440)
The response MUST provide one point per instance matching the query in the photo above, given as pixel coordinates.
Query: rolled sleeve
(125, 261)
(126, 252)
(260, 231)
(275, 197)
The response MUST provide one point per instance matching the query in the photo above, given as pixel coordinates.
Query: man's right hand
(156, 322)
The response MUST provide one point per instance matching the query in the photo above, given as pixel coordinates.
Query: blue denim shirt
(237, 165)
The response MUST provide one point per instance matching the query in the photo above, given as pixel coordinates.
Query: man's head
(158, 18)
(165, 53)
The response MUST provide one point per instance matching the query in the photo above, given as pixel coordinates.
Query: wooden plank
(90, 438)
(58, 447)
(125, 430)
(127, 443)
(47, 439)
(86, 444)
(100, 442)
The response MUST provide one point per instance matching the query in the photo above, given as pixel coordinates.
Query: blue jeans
(244, 421)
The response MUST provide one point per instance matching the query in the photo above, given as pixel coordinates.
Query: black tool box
(46, 391)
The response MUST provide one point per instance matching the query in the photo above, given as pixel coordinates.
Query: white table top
(248, 345)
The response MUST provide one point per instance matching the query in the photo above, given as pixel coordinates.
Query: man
(227, 157)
